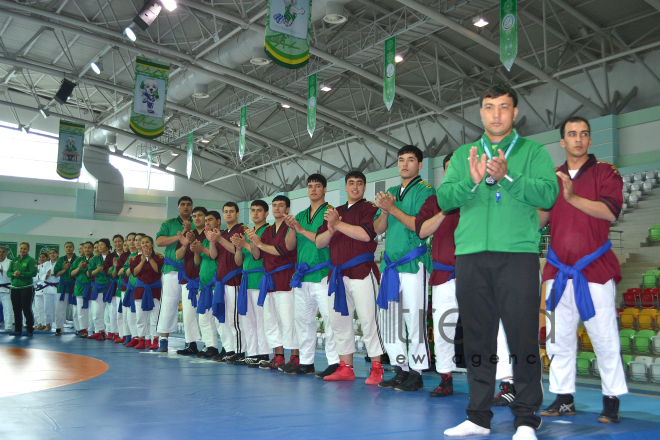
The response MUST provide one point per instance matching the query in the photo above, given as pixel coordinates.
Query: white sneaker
(524, 433)
(466, 428)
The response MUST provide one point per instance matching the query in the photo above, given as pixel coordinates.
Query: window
(34, 156)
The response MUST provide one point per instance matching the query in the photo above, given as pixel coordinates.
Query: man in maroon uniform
(353, 279)
(582, 271)
(275, 293)
(225, 296)
(432, 220)
(190, 279)
(119, 273)
(111, 315)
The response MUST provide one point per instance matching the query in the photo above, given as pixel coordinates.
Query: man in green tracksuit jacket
(498, 182)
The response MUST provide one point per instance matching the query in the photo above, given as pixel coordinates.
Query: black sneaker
(446, 387)
(207, 353)
(237, 359)
(302, 369)
(506, 395)
(255, 361)
(610, 412)
(249, 360)
(562, 406)
(293, 363)
(400, 377)
(328, 371)
(228, 355)
(220, 357)
(413, 383)
(190, 348)
(58, 332)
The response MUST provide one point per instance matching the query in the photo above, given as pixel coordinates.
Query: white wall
(46, 202)
(639, 138)
(92, 229)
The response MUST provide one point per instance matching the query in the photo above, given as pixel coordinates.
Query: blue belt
(181, 271)
(147, 295)
(583, 300)
(193, 289)
(303, 269)
(389, 279)
(267, 283)
(95, 290)
(46, 284)
(218, 303)
(85, 296)
(128, 300)
(205, 301)
(66, 288)
(119, 284)
(442, 268)
(242, 301)
(109, 292)
(336, 282)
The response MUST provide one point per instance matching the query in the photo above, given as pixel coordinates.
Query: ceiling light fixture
(24, 128)
(479, 21)
(147, 14)
(398, 58)
(286, 106)
(44, 111)
(205, 141)
(130, 34)
(97, 66)
(174, 154)
(325, 88)
(65, 91)
(170, 5)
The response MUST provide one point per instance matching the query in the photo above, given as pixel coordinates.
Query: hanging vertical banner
(311, 104)
(148, 171)
(149, 96)
(508, 32)
(189, 158)
(241, 134)
(70, 149)
(389, 70)
(287, 33)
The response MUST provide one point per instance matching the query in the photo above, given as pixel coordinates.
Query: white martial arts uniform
(310, 299)
(170, 297)
(190, 322)
(603, 331)
(279, 323)
(231, 332)
(147, 321)
(253, 326)
(5, 295)
(45, 297)
(360, 297)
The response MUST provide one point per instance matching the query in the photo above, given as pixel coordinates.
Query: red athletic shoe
(101, 337)
(154, 345)
(140, 345)
(110, 337)
(134, 342)
(147, 342)
(83, 334)
(119, 340)
(277, 362)
(376, 375)
(94, 336)
(344, 372)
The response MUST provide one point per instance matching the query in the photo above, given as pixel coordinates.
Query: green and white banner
(287, 32)
(70, 149)
(241, 133)
(508, 32)
(389, 70)
(149, 97)
(12, 248)
(311, 104)
(189, 158)
(44, 247)
(148, 171)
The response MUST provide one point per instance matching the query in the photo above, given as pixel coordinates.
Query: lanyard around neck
(508, 150)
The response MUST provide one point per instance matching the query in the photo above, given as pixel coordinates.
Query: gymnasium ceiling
(446, 62)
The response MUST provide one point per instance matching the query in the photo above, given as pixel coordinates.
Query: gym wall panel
(37, 201)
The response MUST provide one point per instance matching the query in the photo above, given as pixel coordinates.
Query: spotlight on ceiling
(205, 141)
(174, 154)
(44, 111)
(479, 21)
(147, 14)
(24, 128)
(97, 66)
(63, 94)
(325, 88)
(286, 106)
(130, 34)
(259, 57)
(170, 5)
(398, 58)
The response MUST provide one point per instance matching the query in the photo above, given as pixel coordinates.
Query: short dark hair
(201, 209)
(497, 90)
(260, 203)
(318, 178)
(129, 234)
(106, 242)
(184, 199)
(88, 243)
(446, 160)
(230, 205)
(69, 242)
(45, 254)
(355, 174)
(562, 127)
(411, 149)
(284, 199)
(96, 242)
(141, 234)
(215, 214)
(118, 235)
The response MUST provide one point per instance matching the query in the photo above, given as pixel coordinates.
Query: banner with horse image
(70, 149)
(287, 32)
(149, 98)
(45, 247)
